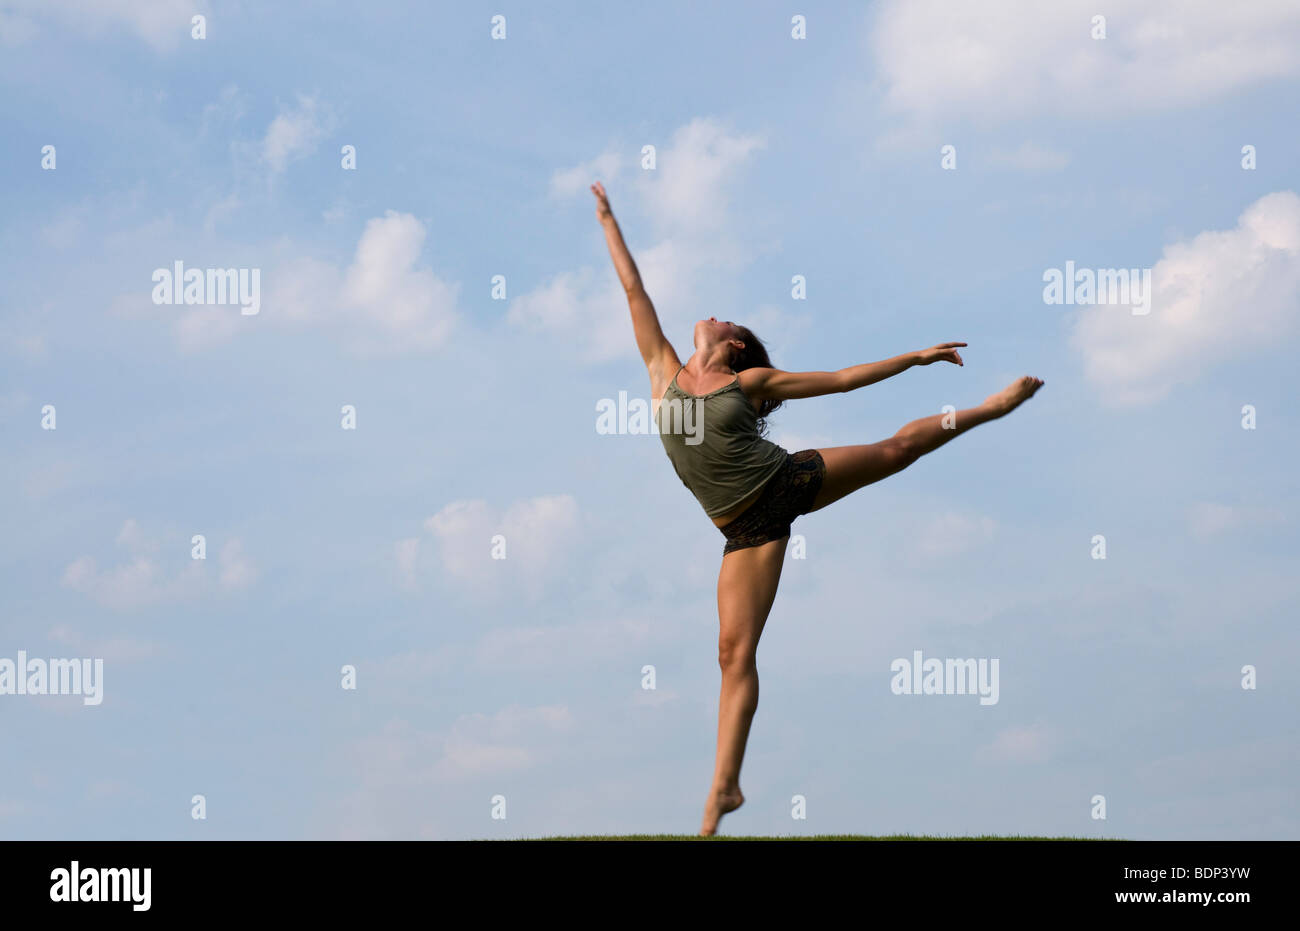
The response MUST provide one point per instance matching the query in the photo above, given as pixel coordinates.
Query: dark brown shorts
(787, 494)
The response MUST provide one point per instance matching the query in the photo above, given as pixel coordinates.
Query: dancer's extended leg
(849, 468)
(746, 588)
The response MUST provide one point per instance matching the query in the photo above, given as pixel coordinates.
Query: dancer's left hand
(944, 352)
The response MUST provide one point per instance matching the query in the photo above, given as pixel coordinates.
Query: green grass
(850, 837)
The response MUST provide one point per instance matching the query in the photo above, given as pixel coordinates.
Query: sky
(414, 394)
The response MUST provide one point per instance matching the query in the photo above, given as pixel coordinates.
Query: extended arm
(777, 385)
(657, 353)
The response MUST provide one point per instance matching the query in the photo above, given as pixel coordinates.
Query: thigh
(747, 586)
(849, 468)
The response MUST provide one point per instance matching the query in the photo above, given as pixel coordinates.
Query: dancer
(711, 417)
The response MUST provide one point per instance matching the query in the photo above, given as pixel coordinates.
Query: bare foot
(720, 802)
(1013, 395)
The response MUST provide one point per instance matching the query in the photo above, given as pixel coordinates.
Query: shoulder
(754, 380)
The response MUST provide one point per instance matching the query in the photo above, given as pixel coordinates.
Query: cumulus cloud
(1221, 297)
(480, 744)
(591, 307)
(1008, 59)
(689, 191)
(536, 533)
(145, 578)
(295, 133)
(606, 168)
(385, 297)
(695, 244)
(163, 24)
(236, 570)
(399, 766)
(386, 285)
(385, 301)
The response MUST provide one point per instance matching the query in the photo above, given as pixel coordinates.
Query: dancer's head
(744, 351)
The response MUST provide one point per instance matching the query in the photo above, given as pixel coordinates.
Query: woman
(709, 415)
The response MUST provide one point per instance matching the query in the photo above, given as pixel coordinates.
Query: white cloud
(605, 168)
(399, 766)
(134, 539)
(143, 580)
(161, 23)
(537, 531)
(592, 308)
(464, 531)
(135, 584)
(480, 744)
(1006, 59)
(383, 302)
(1224, 296)
(205, 327)
(687, 200)
(237, 571)
(386, 285)
(689, 190)
(295, 133)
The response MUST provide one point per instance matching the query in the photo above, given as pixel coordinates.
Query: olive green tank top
(713, 443)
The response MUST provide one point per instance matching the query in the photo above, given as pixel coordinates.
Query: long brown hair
(754, 355)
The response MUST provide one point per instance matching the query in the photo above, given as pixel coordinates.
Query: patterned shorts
(786, 495)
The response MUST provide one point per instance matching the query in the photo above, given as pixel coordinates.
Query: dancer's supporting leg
(746, 588)
(849, 468)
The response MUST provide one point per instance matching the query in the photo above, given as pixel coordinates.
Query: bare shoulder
(753, 381)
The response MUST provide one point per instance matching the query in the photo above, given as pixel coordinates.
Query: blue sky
(521, 677)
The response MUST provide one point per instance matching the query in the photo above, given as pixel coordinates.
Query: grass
(819, 837)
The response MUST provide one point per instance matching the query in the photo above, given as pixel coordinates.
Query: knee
(735, 655)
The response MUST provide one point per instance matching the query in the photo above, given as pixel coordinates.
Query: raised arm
(657, 353)
(776, 385)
